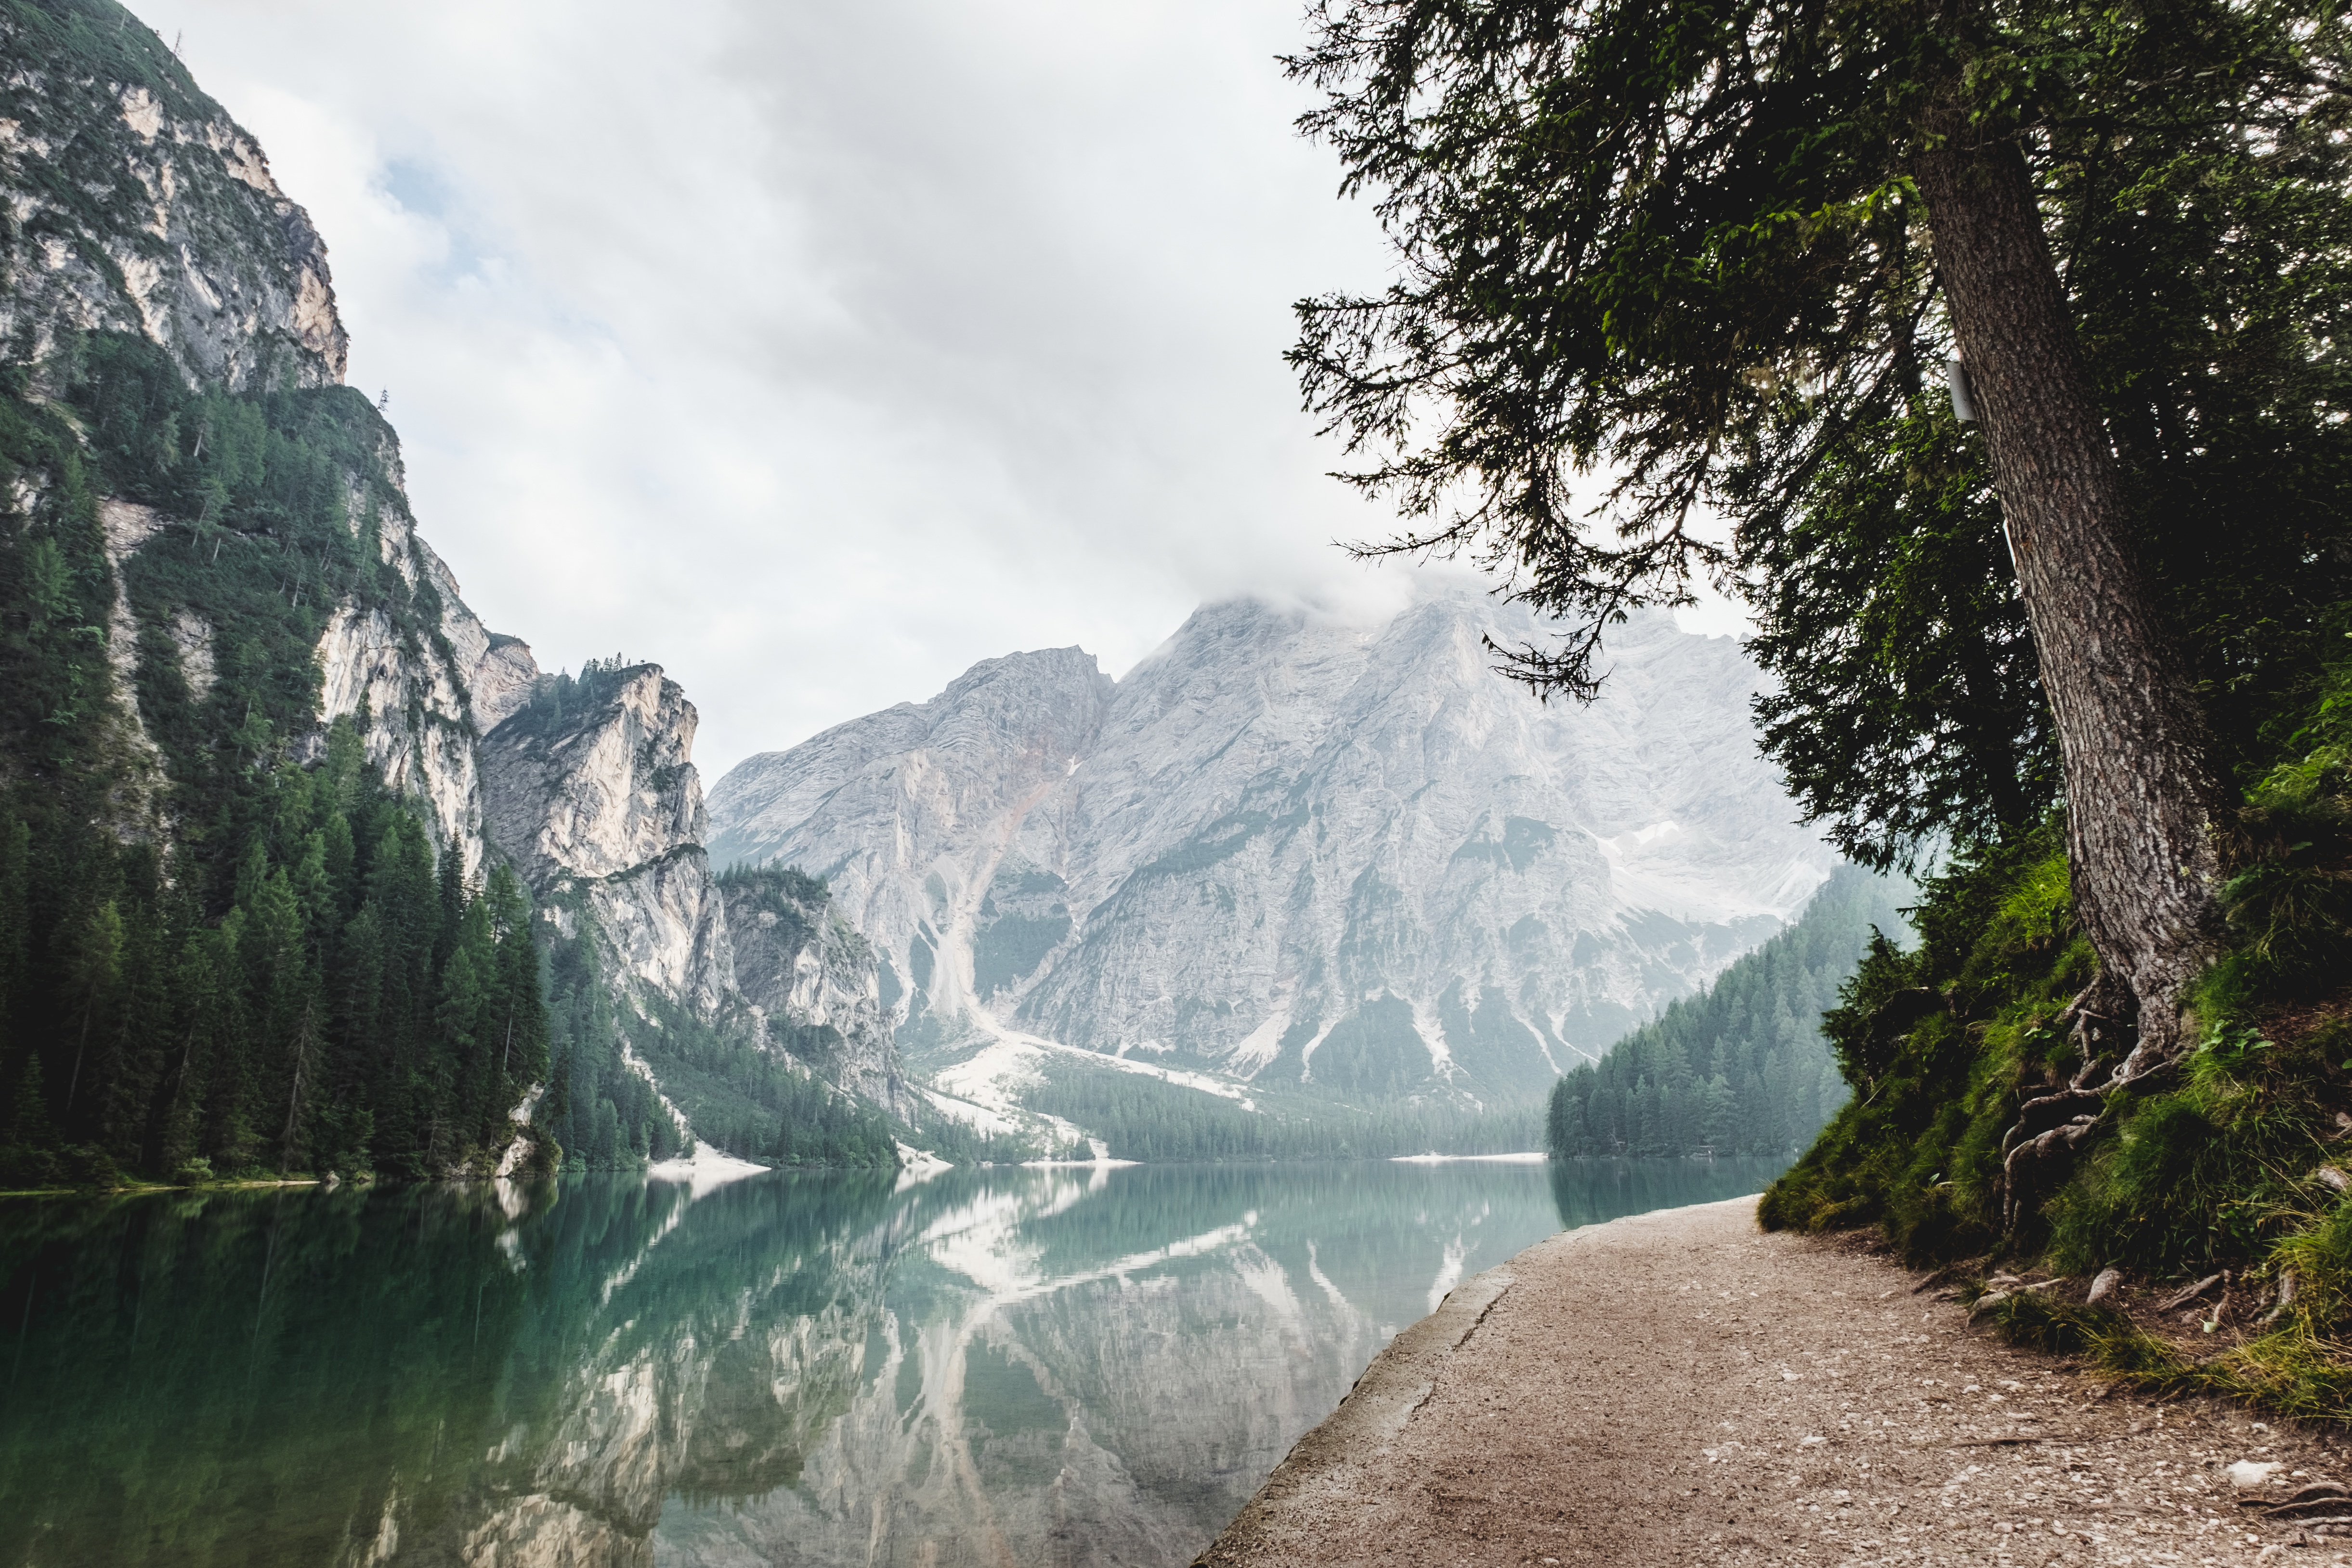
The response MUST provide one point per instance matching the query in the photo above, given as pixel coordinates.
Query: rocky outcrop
(602, 789)
(162, 217)
(136, 800)
(410, 707)
(814, 982)
(135, 203)
(422, 702)
(911, 815)
(503, 679)
(589, 789)
(1286, 848)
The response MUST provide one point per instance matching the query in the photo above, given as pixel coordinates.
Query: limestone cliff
(911, 813)
(814, 982)
(143, 234)
(410, 703)
(590, 791)
(136, 205)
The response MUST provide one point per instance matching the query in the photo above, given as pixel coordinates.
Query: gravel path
(1678, 1387)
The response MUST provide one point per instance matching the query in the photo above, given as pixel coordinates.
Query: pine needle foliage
(1742, 1067)
(1659, 259)
(228, 949)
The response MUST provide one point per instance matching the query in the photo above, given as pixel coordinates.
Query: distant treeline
(1143, 1118)
(1741, 1069)
(756, 1104)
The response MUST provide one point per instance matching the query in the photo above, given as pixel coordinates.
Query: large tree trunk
(2141, 796)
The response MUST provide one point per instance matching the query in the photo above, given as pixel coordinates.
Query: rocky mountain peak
(1004, 725)
(1329, 849)
(595, 777)
(589, 789)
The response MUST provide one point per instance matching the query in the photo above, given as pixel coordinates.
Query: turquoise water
(1066, 1366)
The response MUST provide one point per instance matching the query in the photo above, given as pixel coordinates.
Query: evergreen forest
(226, 949)
(1142, 1118)
(1743, 1068)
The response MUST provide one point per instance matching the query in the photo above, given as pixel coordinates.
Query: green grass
(2212, 1165)
(2288, 1371)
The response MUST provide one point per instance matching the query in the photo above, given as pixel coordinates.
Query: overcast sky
(817, 349)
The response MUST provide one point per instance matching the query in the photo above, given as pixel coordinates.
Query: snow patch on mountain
(1345, 855)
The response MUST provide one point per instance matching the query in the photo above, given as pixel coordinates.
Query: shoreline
(727, 1167)
(1678, 1386)
(920, 1163)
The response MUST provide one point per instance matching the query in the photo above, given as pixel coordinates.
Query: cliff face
(911, 815)
(1285, 849)
(602, 802)
(138, 205)
(411, 708)
(814, 982)
(135, 205)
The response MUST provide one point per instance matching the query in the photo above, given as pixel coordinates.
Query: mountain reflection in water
(1070, 1366)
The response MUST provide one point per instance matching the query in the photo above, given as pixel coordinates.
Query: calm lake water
(1032, 1367)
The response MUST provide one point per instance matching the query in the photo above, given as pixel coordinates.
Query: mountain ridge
(1284, 840)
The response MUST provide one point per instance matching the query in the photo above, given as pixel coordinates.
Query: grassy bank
(2226, 1166)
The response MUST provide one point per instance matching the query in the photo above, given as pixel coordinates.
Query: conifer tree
(286, 969)
(1714, 251)
(95, 967)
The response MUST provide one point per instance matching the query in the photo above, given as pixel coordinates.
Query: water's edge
(819, 1368)
(1374, 1411)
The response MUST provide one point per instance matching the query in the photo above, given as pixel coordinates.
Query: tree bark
(2141, 795)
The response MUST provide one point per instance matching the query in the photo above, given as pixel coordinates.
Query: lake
(1072, 1366)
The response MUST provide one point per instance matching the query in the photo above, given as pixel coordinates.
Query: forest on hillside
(1142, 1118)
(291, 981)
(226, 949)
(1743, 1068)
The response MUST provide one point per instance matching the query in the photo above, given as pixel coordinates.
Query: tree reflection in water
(1066, 1366)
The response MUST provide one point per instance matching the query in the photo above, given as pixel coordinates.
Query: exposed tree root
(2038, 1148)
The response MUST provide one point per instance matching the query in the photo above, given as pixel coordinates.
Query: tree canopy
(1667, 259)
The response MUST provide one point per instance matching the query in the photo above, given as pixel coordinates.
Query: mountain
(1340, 858)
(287, 832)
(288, 837)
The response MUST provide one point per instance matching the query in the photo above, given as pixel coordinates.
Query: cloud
(820, 350)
